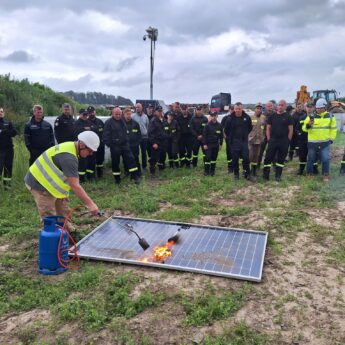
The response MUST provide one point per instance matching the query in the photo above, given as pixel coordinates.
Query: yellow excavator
(330, 96)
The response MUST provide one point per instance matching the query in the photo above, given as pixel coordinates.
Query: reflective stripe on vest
(48, 174)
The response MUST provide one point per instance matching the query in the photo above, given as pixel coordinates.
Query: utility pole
(152, 34)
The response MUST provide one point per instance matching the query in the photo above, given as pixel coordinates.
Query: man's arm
(268, 132)
(290, 134)
(82, 195)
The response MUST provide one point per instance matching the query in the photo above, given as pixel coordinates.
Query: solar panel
(226, 252)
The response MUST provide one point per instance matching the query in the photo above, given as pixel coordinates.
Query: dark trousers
(143, 149)
(100, 160)
(186, 147)
(275, 149)
(135, 153)
(6, 164)
(292, 147)
(157, 158)
(302, 155)
(240, 150)
(172, 150)
(148, 149)
(228, 154)
(82, 166)
(197, 145)
(262, 150)
(34, 154)
(123, 151)
(211, 155)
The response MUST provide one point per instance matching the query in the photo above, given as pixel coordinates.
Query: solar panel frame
(260, 258)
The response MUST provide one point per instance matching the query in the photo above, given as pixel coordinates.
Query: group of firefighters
(178, 136)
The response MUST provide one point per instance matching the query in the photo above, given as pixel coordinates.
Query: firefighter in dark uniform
(64, 125)
(293, 142)
(7, 132)
(158, 137)
(228, 147)
(279, 133)
(237, 128)
(98, 159)
(38, 134)
(301, 137)
(85, 168)
(197, 125)
(134, 137)
(212, 141)
(116, 138)
(173, 141)
(186, 138)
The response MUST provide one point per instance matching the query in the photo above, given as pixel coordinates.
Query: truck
(221, 102)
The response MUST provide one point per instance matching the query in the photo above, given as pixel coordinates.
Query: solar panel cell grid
(218, 251)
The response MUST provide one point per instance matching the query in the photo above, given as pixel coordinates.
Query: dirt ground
(301, 299)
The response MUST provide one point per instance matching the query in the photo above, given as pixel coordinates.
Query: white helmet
(321, 103)
(90, 139)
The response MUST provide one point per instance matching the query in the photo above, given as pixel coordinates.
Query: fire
(160, 253)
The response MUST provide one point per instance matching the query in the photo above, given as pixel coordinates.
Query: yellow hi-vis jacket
(48, 174)
(323, 129)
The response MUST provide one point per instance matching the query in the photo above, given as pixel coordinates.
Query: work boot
(316, 169)
(301, 169)
(171, 164)
(342, 169)
(135, 177)
(253, 172)
(152, 171)
(99, 172)
(117, 179)
(207, 169)
(279, 171)
(230, 168)
(82, 178)
(195, 162)
(266, 174)
(291, 155)
(188, 164)
(247, 175)
(177, 164)
(90, 176)
(212, 169)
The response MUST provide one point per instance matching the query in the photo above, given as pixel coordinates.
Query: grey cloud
(18, 56)
(121, 65)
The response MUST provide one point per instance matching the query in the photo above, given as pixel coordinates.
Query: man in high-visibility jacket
(55, 173)
(322, 131)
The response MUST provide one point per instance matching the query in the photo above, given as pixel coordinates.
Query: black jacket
(64, 128)
(298, 120)
(212, 134)
(38, 135)
(115, 133)
(158, 131)
(98, 127)
(184, 123)
(197, 125)
(83, 125)
(134, 134)
(174, 131)
(7, 132)
(238, 128)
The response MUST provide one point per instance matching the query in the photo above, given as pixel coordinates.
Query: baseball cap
(257, 105)
(184, 107)
(82, 111)
(66, 105)
(310, 104)
(213, 113)
(159, 108)
(150, 105)
(198, 107)
(90, 109)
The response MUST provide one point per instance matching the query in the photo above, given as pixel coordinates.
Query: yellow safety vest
(48, 174)
(323, 129)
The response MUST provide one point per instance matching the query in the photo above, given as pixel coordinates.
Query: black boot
(316, 169)
(230, 168)
(90, 176)
(253, 172)
(266, 173)
(176, 163)
(7, 182)
(247, 175)
(342, 168)
(291, 155)
(117, 179)
(99, 172)
(152, 171)
(171, 164)
(212, 169)
(135, 177)
(301, 169)
(195, 162)
(82, 178)
(207, 169)
(279, 171)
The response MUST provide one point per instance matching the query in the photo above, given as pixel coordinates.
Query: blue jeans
(323, 150)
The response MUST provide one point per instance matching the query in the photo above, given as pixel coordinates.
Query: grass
(97, 297)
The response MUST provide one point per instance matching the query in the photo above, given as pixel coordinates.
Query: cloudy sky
(257, 50)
